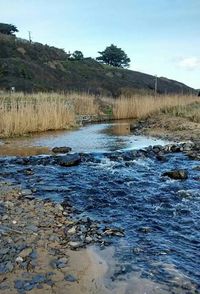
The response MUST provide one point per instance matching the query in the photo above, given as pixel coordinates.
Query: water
(160, 216)
(91, 138)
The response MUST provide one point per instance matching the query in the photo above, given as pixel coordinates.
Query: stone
(28, 172)
(69, 160)
(9, 266)
(59, 207)
(74, 244)
(39, 278)
(62, 149)
(175, 148)
(26, 192)
(88, 239)
(72, 231)
(19, 259)
(19, 284)
(26, 252)
(8, 204)
(70, 278)
(157, 148)
(144, 229)
(5, 217)
(177, 174)
(185, 193)
(63, 260)
(54, 238)
(114, 232)
(197, 168)
(32, 228)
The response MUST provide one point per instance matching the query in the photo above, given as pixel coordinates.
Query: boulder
(69, 160)
(62, 149)
(177, 174)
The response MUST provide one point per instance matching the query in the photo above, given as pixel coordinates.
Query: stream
(160, 216)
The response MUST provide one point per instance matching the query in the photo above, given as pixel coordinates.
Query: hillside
(36, 67)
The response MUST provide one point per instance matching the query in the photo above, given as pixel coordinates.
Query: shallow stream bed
(160, 216)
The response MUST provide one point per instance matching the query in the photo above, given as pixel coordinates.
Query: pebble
(74, 245)
(88, 239)
(70, 278)
(72, 231)
(25, 253)
(26, 192)
(19, 259)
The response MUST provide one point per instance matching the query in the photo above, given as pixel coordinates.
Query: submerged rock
(114, 232)
(62, 149)
(177, 174)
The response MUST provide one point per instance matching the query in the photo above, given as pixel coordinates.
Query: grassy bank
(190, 111)
(21, 114)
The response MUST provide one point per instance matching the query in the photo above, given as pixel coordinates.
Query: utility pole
(156, 85)
(29, 36)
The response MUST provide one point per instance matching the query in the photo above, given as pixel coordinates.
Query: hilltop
(37, 67)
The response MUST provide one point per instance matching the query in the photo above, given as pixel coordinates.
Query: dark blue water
(161, 217)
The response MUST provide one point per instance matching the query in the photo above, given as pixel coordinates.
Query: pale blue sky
(160, 36)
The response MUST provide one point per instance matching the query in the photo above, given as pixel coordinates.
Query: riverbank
(179, 124)
(35, 249)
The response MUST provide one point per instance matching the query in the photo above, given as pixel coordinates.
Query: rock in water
(114, 232)
(177, 174)
(69, 160)
(63, 149)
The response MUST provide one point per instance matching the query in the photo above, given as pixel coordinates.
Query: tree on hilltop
(77, 55)
(114, 56)
(8, 29)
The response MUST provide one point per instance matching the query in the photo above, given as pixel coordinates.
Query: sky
(161, 37)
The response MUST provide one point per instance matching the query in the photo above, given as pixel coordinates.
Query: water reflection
(91, 138)
(119, 129)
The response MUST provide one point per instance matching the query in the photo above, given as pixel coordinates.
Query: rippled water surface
(161, 217)
(91, 138)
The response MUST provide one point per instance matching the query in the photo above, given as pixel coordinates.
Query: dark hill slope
(36, 67)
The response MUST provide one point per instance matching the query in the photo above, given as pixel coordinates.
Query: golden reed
(25, 113)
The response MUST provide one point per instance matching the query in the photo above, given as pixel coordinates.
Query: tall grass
(139, 106)
(190, 111)
(83, 103)
(21, 114)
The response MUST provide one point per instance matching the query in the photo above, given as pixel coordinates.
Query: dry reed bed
(21, 114)
(138, 107)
